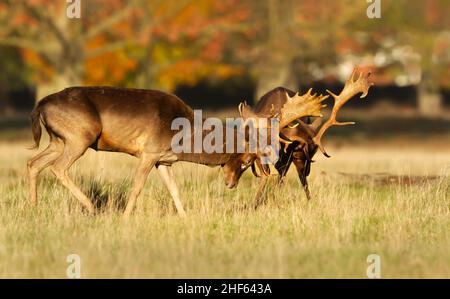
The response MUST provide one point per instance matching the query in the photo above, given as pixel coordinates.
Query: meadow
(390, 199)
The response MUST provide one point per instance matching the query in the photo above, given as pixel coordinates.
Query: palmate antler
(351, 88)
(300, 106)
(295, 108)
(246, 112)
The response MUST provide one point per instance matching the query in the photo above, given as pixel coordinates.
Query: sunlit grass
(351, 216)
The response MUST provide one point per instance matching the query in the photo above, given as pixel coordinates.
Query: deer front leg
(303, 167)
(166, 175)
(259, 198)
(145, 165)
(283, 164)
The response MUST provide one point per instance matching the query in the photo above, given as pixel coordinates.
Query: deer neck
(199, 154)
(206, 158)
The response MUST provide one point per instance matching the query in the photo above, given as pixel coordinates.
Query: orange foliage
(188, 72)
(191, 38)
(44, 72)
(108, 68)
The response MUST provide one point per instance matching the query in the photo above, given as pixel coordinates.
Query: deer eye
(246, 164)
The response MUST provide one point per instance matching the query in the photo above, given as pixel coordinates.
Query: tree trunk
(71, 75)
(275, 66)
(57, 84)
(275, 75)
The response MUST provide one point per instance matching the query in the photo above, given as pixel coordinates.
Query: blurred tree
(306, 40)
(15, 72)
(13, 76)
(297, 40)
(157, 43)
(161, 44)
(421, 26)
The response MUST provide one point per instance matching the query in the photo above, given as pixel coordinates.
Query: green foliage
(14, 73)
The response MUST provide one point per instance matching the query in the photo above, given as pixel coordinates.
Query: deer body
(132, 121)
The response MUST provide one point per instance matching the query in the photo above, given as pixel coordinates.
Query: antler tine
(246, 112)
(241, 107)
(351, 88)
(300, 106)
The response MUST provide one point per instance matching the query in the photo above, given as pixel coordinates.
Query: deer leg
(259, 198)
(145, 165)
(304, 182)
(60, 169)
(283, 164)
(166, 175)
(282, 171)
(39, 163)
(303, 171)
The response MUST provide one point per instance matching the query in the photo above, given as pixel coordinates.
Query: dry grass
(406, 222)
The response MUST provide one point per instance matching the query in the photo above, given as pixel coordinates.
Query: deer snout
(231, 185)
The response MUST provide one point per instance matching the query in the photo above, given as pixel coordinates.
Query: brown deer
(132, 121)
(301, 139)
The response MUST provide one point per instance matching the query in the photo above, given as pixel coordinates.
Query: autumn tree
(137, 42)
(303, 41)
(422, 27)
(296, 38)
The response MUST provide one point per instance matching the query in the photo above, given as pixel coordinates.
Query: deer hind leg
(145, 165)
(39, 163)
(166, 174)
(71, 153)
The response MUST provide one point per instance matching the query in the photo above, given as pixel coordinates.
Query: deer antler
(351, 88)
(246, 112)
(295, 108)
(300, 106)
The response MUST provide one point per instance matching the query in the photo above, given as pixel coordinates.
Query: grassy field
(391, 200)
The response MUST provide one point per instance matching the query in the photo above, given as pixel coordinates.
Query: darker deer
(132, 121)
(301, 139)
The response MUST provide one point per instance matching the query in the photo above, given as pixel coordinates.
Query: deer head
(296, 107)
(293, 129)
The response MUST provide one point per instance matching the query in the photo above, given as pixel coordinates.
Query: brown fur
(132, 121)
(299, 154)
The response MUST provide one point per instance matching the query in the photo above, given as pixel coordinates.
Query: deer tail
(36, 127)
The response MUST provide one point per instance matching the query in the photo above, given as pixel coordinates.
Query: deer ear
(255, 173)
(265, 169)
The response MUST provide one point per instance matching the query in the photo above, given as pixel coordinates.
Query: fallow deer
(301, 139)
(132, 121)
